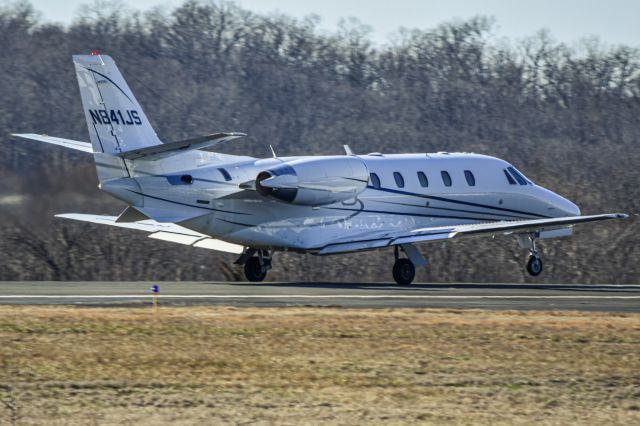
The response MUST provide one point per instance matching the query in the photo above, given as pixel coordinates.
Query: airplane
(323, 205)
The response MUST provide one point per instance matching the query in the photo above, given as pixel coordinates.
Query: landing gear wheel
(254, 271)
(534, 265)
(404, 271)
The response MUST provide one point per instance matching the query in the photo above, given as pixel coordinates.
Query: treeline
(567, 115)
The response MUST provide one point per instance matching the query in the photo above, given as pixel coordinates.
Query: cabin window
(471, 180)
(509, 177)
(521, 180)
(225, 174)
(424, 182)
(375, 180)
(399, 179)
(446, 178)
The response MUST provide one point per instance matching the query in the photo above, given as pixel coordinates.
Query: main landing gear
(534, 262)
(256, 264)
(404, 270)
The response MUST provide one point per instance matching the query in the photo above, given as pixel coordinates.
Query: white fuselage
(322, 205)
(204, 192)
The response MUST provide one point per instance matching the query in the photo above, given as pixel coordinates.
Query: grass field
(82, 366)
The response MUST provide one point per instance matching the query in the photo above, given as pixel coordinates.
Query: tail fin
(115, 119)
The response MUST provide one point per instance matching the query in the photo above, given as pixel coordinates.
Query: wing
(384, 239)
(161, 231)
(67, 143)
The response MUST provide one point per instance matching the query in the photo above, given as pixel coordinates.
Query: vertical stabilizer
(115, 119)
(114, 116)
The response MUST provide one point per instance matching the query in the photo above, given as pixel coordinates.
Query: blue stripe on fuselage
(468, 203)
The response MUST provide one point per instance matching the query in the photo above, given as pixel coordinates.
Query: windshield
(519, 176)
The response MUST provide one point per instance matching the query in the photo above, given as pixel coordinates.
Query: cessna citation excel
(322, 205)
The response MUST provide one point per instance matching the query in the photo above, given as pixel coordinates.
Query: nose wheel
(534, 262)
(534, 265)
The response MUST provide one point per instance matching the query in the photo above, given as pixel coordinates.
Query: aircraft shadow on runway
(439, 287)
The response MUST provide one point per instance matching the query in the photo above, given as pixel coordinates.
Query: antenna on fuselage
(347, 150)
(273, 151)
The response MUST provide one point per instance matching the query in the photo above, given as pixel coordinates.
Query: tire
(254, 271)
(404, 271)
(534, 266)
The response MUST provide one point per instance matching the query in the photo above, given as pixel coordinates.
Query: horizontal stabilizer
(157, 152)
(161, 231)
(67, 143)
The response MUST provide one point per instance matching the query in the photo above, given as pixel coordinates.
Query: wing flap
(67, 143)
(444, 235)
(161, 231)
(175, 238)
(354, 246)
(219, 245)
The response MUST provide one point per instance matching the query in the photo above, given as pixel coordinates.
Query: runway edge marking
(304, 296)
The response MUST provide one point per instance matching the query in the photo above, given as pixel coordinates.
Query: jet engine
(314, 182)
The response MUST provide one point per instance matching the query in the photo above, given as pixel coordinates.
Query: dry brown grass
(73, 366)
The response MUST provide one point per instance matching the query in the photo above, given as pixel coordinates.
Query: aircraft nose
(557, 205)
(567, 207)
(574, 210)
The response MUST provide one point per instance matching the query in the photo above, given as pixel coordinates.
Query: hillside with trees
(567, 116)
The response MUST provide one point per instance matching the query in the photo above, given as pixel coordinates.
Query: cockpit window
(471, 180)
(509, 177)
(375, 180)
(446, 178)
(399, 179)
(521, 180)
(424, 182)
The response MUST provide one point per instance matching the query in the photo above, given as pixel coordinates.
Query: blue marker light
(155, 288)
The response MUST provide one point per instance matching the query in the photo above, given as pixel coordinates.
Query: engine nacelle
(315, 181)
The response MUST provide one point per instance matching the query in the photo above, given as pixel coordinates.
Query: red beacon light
(94, 53)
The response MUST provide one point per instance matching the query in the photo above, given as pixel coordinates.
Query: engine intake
(314, 182)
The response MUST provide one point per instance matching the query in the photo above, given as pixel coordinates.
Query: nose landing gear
(534, 263)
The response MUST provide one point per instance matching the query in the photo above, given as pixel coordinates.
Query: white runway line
(303, 296)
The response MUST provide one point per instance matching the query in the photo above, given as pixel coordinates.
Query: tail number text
(123, 118)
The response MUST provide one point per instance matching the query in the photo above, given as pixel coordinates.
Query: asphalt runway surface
(614, 298)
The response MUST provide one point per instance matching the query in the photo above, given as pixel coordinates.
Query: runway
(614, 298)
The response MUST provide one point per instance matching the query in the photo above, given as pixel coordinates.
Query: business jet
(323, 205)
